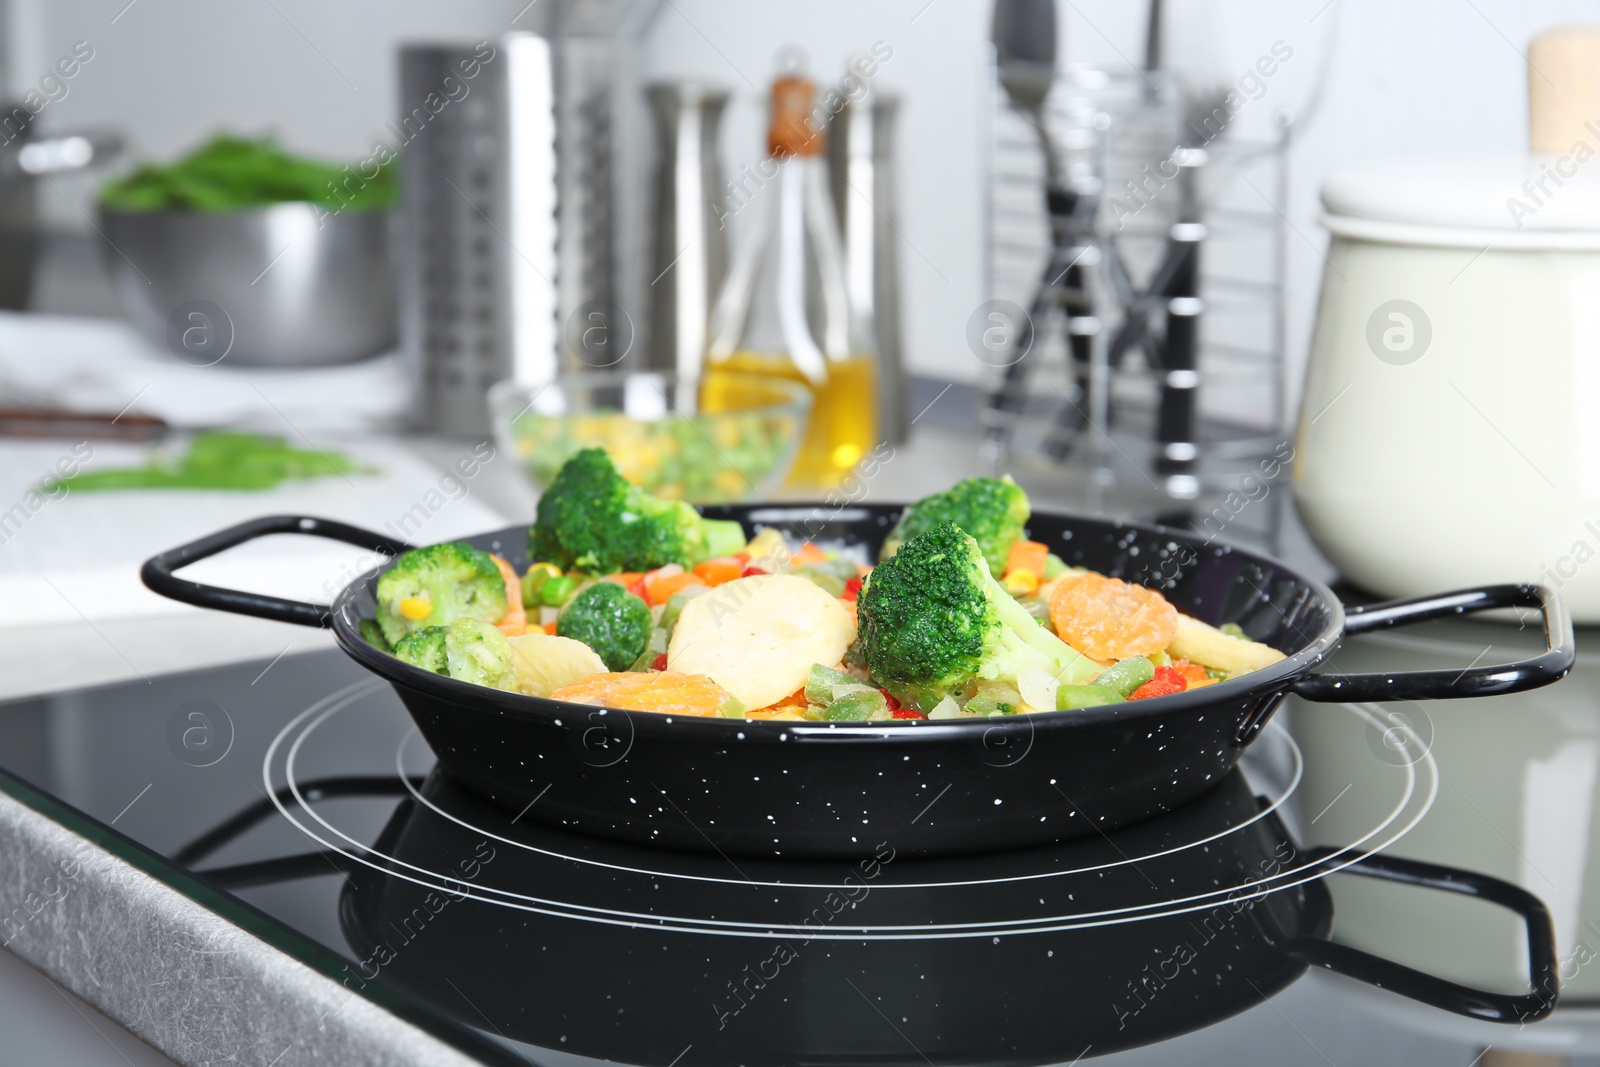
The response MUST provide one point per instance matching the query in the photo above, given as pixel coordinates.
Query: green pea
(534, 580)
(1127, 675)
(1075, 697)
(557, 591)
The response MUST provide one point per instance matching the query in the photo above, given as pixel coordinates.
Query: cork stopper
(794, 132)
(1563, 88)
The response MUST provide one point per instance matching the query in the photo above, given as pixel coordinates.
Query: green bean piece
(1076, 697)
(1126, 675)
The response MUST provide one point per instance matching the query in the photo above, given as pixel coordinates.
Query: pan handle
(158, 576)
(1475, 681)
(1543, 977)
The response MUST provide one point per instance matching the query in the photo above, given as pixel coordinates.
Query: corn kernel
(1022, 583)
(416, 608)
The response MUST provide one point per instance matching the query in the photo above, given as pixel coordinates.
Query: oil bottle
(784, 309)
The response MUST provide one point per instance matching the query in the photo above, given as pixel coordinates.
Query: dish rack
(1091, 418)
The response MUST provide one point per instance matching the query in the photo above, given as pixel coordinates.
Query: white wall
(1406, 77)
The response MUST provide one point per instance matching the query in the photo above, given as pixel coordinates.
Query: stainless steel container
(24, 160)
(522, 203)
(690, 254)
(294, 285)
(861, 173)
(477, 264)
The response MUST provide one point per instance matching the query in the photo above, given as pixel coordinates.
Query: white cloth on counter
(103, 366)
(75, 557)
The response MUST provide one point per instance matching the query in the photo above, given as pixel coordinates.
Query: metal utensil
(296, 285)
(690, 256)
(1024, 34)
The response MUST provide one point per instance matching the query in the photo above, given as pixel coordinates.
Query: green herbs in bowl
(657, 432)
(229, 173)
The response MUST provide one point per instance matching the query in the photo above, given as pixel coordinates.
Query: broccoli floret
(436, 585)
(610, 620)
(467, 650)
(932, 620)
(591, 519)
(374, 635)
(992, 510)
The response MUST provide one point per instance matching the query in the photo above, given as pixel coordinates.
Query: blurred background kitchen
(391, 262)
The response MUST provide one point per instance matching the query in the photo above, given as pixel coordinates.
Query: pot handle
(158, 576)
(1543, 977)
(1475, 681)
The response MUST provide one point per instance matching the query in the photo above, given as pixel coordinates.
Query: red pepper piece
(1172, 676)
(894, 705)
(661, 662)
(906, 713)
(637, 589)
(852, 589)
(1154, 688)
(751, 572)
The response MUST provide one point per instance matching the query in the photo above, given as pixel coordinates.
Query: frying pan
(950, 786)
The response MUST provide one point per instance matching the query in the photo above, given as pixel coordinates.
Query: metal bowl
(285, 285)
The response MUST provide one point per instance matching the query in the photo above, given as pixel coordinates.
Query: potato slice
(544, 662)
(757, 637)
(1210, 647)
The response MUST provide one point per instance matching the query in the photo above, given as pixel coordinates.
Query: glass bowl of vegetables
(244, 252)
(662, 431)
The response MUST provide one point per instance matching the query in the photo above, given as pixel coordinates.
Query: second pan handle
(158, 575)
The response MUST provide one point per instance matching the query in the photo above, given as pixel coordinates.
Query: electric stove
(286, 819)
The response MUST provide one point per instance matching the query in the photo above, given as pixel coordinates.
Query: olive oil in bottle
(785, 309)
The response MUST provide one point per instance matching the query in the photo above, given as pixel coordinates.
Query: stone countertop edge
(195, 986)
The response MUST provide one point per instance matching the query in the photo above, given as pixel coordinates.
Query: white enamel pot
(1450, 426)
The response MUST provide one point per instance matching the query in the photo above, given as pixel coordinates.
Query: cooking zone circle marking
(308, 721)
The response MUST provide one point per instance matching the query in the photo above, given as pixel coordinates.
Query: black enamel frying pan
(823, 789)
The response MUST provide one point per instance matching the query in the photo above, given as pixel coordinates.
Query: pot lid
(1543, 193)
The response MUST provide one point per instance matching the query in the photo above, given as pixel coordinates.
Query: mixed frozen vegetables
(642, 604)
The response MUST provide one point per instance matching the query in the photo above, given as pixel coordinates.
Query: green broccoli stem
(1071, 666)
(724, 537)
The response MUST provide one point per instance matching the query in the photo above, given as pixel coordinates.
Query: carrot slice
(514, 623)
(1106, 619)
(717, 571)
(668, 692)
(1027, 556)
(807, 553)
(658, 590)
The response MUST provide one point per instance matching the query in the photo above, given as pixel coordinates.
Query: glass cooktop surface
(297, 799)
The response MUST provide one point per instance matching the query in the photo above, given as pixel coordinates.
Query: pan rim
(1262, 684)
